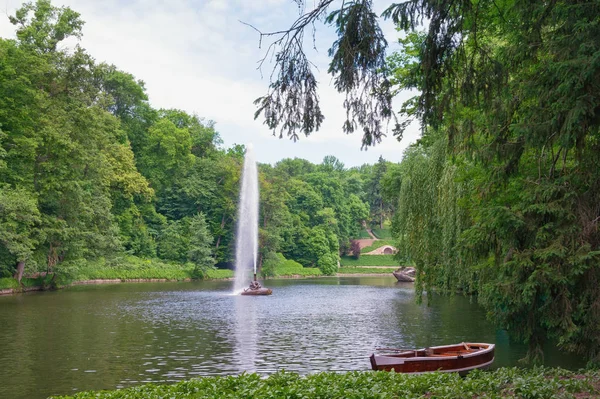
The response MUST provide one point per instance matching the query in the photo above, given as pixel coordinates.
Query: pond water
(113, 336)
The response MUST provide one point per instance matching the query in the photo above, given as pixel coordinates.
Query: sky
(197, 55)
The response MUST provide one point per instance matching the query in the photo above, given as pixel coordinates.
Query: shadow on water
(112, 336)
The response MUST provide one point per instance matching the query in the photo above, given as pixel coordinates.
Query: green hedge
(536, 383)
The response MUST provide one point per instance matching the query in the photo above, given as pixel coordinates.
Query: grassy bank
(124, 268)
(118, 268)
(382, 234)
(279, 266)
(369, 260)
(364, 234)
(26, 283)
(365, 270)
(502, 383)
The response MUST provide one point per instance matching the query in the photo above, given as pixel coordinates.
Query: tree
(508, 89)
(19, 216)
(200, 249)
(503, 83)
(379, 209)
(42, 26)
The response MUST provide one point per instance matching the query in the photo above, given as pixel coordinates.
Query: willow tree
(513, 86)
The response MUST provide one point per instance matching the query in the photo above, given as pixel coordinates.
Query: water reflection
(246, 334)
(105, 337)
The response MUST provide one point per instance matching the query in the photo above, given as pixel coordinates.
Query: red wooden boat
(460, 358)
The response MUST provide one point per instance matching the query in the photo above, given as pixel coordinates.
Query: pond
(113, 336)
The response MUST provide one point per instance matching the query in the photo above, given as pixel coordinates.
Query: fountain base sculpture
(256, 289)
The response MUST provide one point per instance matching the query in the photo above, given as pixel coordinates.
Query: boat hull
(445, 359)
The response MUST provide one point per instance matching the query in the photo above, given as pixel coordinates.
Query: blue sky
(196, 55)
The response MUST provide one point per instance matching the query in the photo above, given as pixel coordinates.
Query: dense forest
(89, 169)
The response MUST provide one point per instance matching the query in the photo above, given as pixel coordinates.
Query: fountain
(246, 249)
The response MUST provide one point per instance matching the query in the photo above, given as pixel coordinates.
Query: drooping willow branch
(357, 66)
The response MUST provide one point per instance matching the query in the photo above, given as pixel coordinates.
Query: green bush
(536, 383)
(8, 282)
(277, 265)
(328, 264)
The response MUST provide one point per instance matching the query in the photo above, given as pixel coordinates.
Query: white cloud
(196, 55)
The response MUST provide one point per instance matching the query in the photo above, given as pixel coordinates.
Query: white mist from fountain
(246, 246)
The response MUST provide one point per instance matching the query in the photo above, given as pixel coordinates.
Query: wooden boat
(460, 358)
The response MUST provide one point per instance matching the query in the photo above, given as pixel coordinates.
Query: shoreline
(22, 290)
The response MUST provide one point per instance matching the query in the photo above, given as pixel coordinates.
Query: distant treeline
(89, 169)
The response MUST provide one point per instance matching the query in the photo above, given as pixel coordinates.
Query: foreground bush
(503, 383)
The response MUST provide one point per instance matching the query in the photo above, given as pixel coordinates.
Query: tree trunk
(381, 215)
(20, 270)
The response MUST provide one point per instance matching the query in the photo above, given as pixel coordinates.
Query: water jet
(246, 249)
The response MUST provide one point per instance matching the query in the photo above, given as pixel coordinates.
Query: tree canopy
(500, 195)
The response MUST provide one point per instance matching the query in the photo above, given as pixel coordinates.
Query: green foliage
(200, 248)
(7, 283)
(276, 265)
(365, 270)
(369, 260)
(382, 234)
(363, 234)
(270, 262)
(328, 264)
(500, 195)
(42, 26)
(123, 268)
(505, 382)
(19, 215)
(218, 274)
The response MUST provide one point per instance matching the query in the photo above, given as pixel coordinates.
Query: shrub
(328, 264)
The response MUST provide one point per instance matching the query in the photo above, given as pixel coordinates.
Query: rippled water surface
(112, 336)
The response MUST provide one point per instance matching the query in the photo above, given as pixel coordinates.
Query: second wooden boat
(460, 358)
